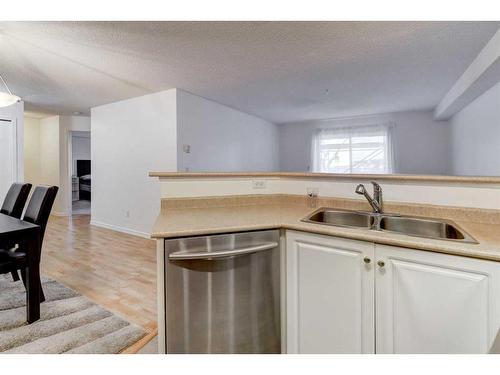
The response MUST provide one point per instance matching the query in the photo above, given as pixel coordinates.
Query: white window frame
(349, 132)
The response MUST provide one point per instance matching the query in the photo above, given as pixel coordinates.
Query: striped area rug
(69, 323)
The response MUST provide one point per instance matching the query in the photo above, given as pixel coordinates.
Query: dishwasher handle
(183, 255)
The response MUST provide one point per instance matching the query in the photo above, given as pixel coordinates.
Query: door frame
(15, 159)
(69, 176)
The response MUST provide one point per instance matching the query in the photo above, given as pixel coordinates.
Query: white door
(435, 303)
(8, 164)
(330, 294)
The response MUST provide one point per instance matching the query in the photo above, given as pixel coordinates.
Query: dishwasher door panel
(229, 304)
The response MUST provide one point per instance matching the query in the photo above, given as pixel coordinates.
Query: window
(366, 149)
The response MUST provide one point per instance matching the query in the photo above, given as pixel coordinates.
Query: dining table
(16, 231)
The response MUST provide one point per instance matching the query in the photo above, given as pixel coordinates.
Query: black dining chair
(37, 212)
(13, 204)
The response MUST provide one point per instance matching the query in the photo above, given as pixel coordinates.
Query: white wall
(32, 165)
(67, 124)
(47, 155)
(223, 139)
(475, 136)
(420, 141)
(130, 138)
(133, 137)
(479, 195)
(50, 159)
(80, 149)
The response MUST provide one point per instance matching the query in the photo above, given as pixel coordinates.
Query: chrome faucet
(376, 202)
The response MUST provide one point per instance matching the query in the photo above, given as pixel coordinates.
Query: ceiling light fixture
(7, 98)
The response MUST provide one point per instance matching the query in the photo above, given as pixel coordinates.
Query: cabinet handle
(381, 263)
(366, 260)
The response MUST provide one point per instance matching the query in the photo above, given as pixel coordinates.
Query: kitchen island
(361, 269)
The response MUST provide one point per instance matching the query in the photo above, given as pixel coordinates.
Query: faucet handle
(377, 190)
(376, 185)
(377, 195)
(360, 189)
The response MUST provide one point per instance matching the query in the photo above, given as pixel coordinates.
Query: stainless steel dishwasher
(223, 293)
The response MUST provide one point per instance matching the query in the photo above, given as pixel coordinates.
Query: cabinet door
(435, 303)
(330, 294)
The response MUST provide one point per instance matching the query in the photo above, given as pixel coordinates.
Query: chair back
(13, 204)
(39, 207)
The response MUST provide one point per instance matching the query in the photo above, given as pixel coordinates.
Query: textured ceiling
(280, 71)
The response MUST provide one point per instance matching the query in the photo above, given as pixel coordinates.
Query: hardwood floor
(115, 270)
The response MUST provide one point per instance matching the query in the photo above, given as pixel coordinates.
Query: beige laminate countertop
(346, 176)
(193, 221)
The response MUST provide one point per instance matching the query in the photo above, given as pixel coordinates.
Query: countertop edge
(393, 240)
(381, 177)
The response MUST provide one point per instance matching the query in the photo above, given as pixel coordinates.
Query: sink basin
(421, 227)
(409, 225)
(341, 218)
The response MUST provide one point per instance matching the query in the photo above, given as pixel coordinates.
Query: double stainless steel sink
(409, 225)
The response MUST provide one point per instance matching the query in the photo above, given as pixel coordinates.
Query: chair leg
(15, 275)
(42, 295)
(23, 277)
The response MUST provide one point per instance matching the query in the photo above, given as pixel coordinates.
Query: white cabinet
(330, 294)
(435, 303)
(424, 302)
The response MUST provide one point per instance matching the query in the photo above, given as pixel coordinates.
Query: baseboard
(120, 229)
(134, 348)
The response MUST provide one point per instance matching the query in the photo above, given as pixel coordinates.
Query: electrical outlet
(127, 214)
(186, 149)
(258, 184)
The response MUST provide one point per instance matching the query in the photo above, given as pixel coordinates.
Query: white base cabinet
(330, 304)
(435, 303)
(340, 292)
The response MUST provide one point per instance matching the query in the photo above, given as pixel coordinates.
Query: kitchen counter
(192, 217)
(346, 176)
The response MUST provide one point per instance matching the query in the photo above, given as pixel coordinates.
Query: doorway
(8, 156)
(81, 175)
